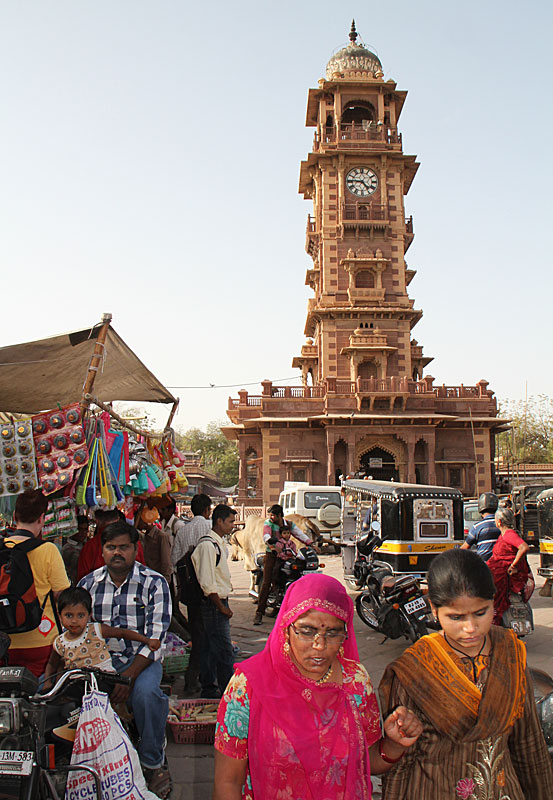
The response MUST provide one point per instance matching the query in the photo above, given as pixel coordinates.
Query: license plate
(415, 605)
(522, 627)
(16, 762)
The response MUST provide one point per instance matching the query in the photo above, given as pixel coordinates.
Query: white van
(322, 504)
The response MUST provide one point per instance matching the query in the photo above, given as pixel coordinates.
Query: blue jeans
(150, 707)
(217, 657)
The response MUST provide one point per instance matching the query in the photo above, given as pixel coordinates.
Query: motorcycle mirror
(375, 526)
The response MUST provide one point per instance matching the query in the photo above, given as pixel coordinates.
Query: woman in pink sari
(300, 721)
(508, 564)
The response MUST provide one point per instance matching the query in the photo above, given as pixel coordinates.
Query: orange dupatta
(449, 699)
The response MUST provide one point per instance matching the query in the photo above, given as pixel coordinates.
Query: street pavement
(192, 765)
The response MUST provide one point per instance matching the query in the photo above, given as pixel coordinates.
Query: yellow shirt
(49, 574)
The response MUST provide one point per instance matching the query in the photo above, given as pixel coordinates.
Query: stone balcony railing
(362, 386)
(357, 295)
(355, 135)
(364, 212)
(371, 339)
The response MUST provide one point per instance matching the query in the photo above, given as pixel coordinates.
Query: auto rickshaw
(525, 501)
(545, 529)
(416, 522)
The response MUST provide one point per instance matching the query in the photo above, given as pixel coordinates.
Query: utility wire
(232, 385)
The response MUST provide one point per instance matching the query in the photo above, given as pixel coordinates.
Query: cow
(249, 541)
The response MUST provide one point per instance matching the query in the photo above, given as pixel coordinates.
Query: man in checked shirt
(126, 594)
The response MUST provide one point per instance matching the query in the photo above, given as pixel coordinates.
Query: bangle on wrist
(386, 758)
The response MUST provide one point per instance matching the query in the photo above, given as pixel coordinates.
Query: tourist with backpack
(210, 564)
(190, 592)
(32, 575)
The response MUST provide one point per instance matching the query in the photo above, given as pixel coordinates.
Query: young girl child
(470, 687)
(82, 644)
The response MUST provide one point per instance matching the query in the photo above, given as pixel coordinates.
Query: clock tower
(365, 405)
(357, 177)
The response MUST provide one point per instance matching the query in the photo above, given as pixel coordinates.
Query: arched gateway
(379, 464)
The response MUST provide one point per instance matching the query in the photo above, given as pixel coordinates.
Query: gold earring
(286, 647)
(341, 651)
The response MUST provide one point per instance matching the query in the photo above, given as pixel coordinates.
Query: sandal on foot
(258, 619)
(159, 781)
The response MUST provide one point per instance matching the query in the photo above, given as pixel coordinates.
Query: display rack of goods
(17, 458)
(193, 721)
(176, 655)
(60, 445)
(60, 520)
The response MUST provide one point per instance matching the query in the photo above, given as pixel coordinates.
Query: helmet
(488, 502)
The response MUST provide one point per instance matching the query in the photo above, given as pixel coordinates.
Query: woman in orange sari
(470, 687)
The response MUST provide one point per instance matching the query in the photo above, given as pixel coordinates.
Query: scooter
(289, 572)
(390, 604)
(519, 616)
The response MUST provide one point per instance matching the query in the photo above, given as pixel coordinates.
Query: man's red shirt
(91, 557)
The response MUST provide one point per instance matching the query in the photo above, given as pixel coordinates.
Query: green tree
(531, 439)
(218, 454)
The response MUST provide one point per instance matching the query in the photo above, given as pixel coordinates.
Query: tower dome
(354, 58)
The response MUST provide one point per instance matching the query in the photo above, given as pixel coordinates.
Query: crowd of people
(107, 601)
(300, 720)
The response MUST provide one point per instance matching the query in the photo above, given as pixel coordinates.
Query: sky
(149, 167)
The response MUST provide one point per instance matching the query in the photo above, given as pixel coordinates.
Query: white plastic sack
(102, 743)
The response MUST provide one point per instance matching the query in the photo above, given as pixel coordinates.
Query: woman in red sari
(300, 720)
(508, 563)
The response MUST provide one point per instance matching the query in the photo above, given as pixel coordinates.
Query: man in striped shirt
(126, 594)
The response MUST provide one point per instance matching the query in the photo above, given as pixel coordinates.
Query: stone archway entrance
(379, 464)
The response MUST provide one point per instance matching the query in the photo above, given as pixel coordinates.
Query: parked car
(471, 515)
(322, 504)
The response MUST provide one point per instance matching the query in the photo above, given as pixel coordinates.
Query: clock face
(362, 181)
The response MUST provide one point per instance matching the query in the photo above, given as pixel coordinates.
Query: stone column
(330, 458)
(411, 475)
(242, 472)
(432, 458)
(352, 466)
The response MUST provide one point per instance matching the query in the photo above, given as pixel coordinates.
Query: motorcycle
(289, 572)
(390, 604)
(37, 731)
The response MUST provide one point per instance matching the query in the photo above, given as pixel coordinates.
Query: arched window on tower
(364, 279)
(363, 212)
(367, 369)
(360, 113)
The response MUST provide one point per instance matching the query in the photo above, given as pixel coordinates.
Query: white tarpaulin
(35, 376)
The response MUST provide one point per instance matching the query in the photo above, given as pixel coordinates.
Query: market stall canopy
(36, 376)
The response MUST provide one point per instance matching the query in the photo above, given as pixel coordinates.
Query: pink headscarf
(296, 721)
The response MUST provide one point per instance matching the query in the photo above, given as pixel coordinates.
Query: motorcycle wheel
(413, 628)
(367, 608)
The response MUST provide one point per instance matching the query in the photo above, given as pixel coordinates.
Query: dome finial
(353, 32)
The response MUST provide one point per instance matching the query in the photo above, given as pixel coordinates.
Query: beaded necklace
(326, 677)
